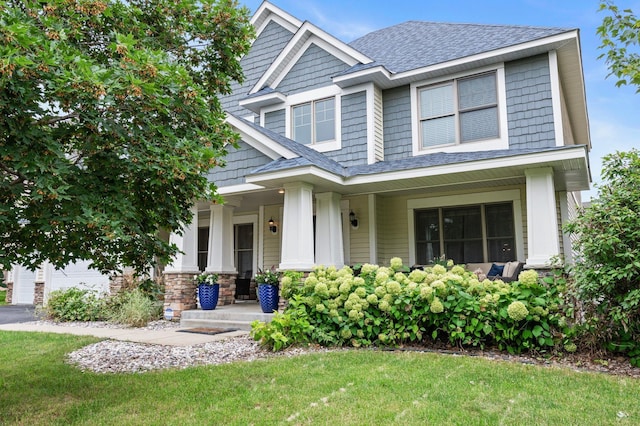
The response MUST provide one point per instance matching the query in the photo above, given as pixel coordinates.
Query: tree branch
(54, 120)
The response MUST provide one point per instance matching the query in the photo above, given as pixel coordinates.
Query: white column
(187, 261)
(220, 248)
(542, 220)
(297, 227)
(329, 246)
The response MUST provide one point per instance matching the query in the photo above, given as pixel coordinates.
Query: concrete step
(238, 316)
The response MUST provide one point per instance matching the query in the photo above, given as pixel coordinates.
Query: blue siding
(396, 112)
(262, 54)
(354, 131)
(239, 163)
(275, 121)
(314, 69)
(529, 106)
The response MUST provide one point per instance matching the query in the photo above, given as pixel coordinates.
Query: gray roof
(417, 44)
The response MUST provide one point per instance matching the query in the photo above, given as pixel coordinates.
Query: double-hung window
(459, 111)
(476, 233)
(314, 122)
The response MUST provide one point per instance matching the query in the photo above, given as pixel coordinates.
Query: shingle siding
(263, 52)
(240, 162)
(529, 104)
(354, 131)
(397, 123)
(275, 121)
(314, 69)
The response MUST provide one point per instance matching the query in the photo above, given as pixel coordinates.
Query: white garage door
(23, 286)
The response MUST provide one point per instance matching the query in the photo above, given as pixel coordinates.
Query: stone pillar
(180, 286)
(227, 294)
(297, 227)
(38, 293)
(9, 296)
(542, 219)
(329, 246)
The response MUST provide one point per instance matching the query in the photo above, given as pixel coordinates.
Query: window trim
(310, 96)
(501, 142)
(313, 105)
(511, 195)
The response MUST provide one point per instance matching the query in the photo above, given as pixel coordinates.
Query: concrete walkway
(169, 337)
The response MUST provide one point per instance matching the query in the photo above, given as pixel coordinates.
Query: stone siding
(180, 292)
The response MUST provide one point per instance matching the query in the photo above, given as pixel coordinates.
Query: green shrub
(75, 304)
(607, 272)
(133, 308)
(387, 306)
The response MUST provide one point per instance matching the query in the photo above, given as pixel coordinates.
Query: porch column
(297, 227)
(220, 259)
(329, 247)
(180, 288)
(542, 219)
(220, 247)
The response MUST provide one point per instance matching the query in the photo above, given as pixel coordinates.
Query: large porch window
(477, 233)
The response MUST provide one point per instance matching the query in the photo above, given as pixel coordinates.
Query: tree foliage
(109, 121)
(608, 270)
(620, 34)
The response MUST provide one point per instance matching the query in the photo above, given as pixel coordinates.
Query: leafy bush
(133, 308)
(388, 306)
(75, 304)
(607, 272)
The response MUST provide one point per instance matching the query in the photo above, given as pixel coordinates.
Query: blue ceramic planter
(269, 298)
(208, 295)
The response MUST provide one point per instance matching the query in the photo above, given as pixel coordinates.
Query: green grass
(3, 296)
(355, 387)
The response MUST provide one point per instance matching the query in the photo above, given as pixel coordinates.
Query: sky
(614, 112)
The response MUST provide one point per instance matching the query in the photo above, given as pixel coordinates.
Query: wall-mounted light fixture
(272, 226)
(352, 219)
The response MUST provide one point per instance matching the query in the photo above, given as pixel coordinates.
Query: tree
(109, 121)
(620, 34)
(607, 271)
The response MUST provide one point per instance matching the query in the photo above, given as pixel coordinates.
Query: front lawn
(352, 387)
(3, 297)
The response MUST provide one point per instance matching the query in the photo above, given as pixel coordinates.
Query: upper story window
(459, 111)
(314, 122)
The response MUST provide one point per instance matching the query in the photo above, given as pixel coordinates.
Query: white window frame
(501, 142)
(306, 97)
(477, 198)
(314, 123)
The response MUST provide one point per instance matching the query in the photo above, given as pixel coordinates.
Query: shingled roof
(416, 44)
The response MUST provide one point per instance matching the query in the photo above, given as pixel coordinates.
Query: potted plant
(268, 287)
(208, 290)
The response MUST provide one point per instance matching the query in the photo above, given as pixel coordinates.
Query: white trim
(502, 142)
(297, 172)
(259, 141)
(260, 232)
(556, 98)
(238, 189)
(268, 12)
(346, 231)
(475, 198)
(306, 34)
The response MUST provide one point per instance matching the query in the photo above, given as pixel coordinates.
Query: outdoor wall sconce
(272, 226)
(352, 219)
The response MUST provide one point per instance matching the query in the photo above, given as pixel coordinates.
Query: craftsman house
(414, 141)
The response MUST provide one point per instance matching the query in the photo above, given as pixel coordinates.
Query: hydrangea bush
(389, 306)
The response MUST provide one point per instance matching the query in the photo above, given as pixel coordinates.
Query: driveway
(11, 314)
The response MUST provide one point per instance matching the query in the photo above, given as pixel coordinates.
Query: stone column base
(227, 289)
(9, 295)
(180, 292)
(38, 294)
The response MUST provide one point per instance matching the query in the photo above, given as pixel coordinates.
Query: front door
(243, 253)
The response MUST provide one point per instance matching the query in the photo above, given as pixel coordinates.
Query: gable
(323, 64)
(266, 47)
